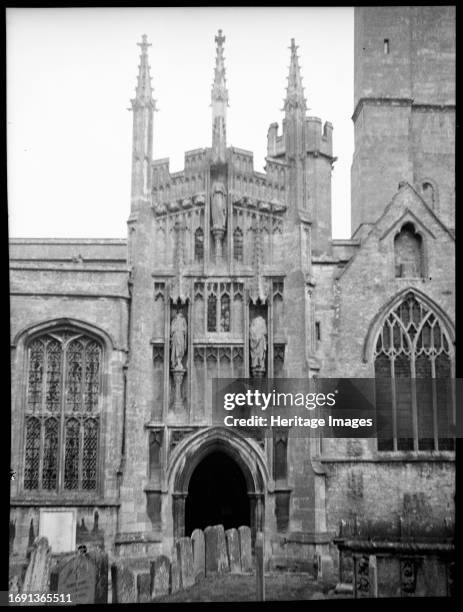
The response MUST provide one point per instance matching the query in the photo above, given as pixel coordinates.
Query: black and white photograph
(232, 303)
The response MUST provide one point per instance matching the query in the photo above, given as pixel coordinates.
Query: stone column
(179, 514)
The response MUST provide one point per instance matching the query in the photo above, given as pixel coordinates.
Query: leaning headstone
(36, 579)
(260, 576)
(160, 576)
(233, 549)
(175, 575)
(216, 550)
(244, 533)
(199, 559)
(185, 560)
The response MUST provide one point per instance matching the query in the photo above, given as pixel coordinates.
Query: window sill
(47, 501)
(399, 456)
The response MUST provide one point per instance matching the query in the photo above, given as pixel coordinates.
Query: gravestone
(260, 576)
(125, 579)
(13, 585)
(185, 560)
(244, 533)
(325, 568)
(143, 587)
(233, 549)
(373, 569)
(175, 575)
(160, 576)
(36, 579)
(199, 552)
(216, 550)
(79, 577)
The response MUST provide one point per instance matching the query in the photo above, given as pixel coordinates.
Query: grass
(232, 587)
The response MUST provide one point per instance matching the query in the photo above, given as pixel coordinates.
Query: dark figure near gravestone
(218, 206)
(178, 332)
(258, 342)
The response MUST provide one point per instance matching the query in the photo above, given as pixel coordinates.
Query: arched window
(238, 244)
(218, 307)
(225, 312)
(199, 244)
(429, 193)
(408, 253)
(212, 313)
(413, 368)
(62, 412)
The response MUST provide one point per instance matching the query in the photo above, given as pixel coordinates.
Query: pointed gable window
(429, 194)
(413, 361)
(408, 253)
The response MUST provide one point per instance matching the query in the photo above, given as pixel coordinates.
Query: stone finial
(219, 87)
(144, 91)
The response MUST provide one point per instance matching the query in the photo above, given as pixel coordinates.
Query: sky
(71, 73)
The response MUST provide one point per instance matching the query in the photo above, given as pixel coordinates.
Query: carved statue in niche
(178, 339)
(258, 342)
(218, 206)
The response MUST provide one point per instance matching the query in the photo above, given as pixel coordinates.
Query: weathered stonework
(270, 254)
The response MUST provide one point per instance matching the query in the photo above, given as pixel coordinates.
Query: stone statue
(178, 340)
(258, 342)
(218, 206)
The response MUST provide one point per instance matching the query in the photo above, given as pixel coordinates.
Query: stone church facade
(115, 342)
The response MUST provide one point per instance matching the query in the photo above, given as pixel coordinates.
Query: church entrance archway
(217, 494)
(217, 477)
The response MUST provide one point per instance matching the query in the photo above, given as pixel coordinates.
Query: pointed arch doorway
(218, 478)
(217, 494)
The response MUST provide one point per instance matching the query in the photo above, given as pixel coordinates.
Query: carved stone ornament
(178, 341)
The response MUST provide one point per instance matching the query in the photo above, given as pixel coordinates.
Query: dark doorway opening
(217, 495)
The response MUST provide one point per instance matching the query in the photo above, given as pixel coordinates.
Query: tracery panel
(64, 387)
(413, 367)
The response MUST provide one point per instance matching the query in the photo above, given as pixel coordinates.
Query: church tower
(404, 108)
(307, 149)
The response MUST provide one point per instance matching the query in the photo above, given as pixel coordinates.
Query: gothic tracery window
(238, 244)
(413, 368)
(218, 307)
(199, 244)
(61, 412)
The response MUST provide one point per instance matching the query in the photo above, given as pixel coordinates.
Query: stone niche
(258, 368)
(59, 527)
(178, 371)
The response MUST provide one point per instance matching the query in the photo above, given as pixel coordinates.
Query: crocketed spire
(219, 103)
(295, 92)
(144, 91)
